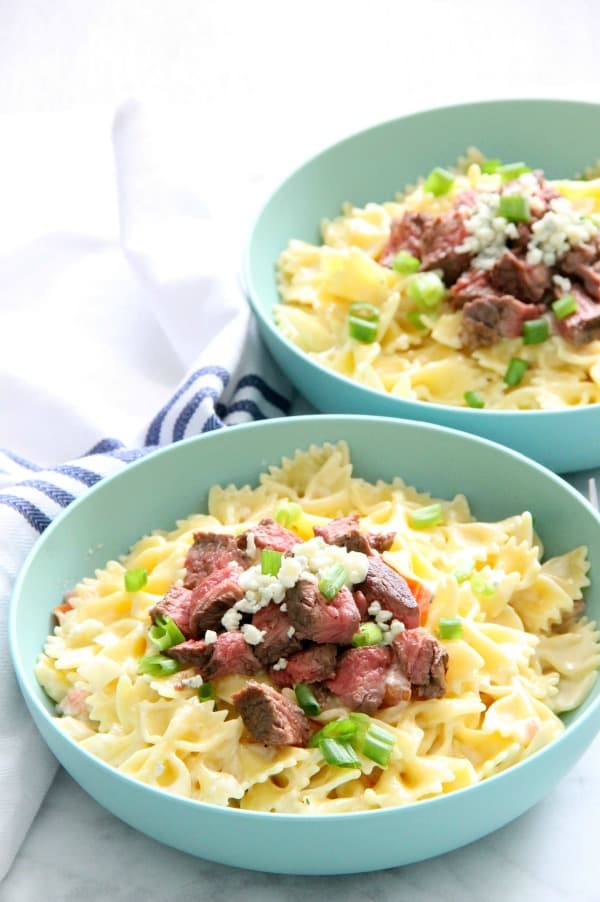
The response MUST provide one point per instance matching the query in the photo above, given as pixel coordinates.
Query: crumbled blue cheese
(558, 230)
(231, 619)
(562, 283)
(292, 630)
(281, 664)
(250, 545)
(252, 635)
(193, 682)
(488, 232)
(381, 616)
(318, 556)
(210, 637)
(395, 628)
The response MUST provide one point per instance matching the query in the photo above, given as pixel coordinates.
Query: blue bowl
(374, 165)
(158, 490)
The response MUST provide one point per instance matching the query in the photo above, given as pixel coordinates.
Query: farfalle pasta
(524, 654)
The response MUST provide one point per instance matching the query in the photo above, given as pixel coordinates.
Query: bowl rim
(34, 703)
(252, 294)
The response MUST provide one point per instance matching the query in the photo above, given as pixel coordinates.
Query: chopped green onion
(405, 263)
(340, 754)
(535, 331)
(515, 371)
(489, 167)
(306, 700)
(270, 562)
(368, 634)
(288, 513)
(424, 517)
(512, 171)
(426, 289)
(463, 571)
(414, 318)
(362, 330)
(336, 729)
(474, 399)
(158, 665)
(332, 581)
(365, 311)
(479, 585)
(449, 628)
(206, 692)
(360, 718)
(165, 633)
(514, 207)
(564, 306)
(438, 182)
(375, 743)
(136, 579)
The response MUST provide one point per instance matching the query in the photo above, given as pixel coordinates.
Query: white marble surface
(272, 82)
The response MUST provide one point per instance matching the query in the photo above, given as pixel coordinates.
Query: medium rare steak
(488, 318)
(424, 661)
(270, 717)
(344, 531)
(406, 234)
(176, 605)
(211, 551)
(443, 235)
(277, 642)
(313, 617)
(313, 665)
(385, 585)
(514, 275)
(269, 534)
(359, 680)
(582, 326)
(229, 654)
(212, 597)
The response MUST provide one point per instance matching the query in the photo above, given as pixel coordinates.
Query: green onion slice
(463, 570)
(206, 692)
(564, 306)
(438, 182)
(515, 371)
(362, 330)
(405, 263)
(332, 581)
(340, 754)
(474, 399)
(479, 585)
(535, 331)
(136, 579)
(510, 171)
(270, 562)
(365, 311)
(307, 700)
(514, 208)
(336, 729)
(424, 517)
(368, 634)
(375, 743)
(414, 318)
(449, 628)
(489, 167)
(288, 513)
(165, 633)
(426, 289)
(158, 665)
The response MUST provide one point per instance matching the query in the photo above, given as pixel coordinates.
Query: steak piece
(424, 661)
(269, 534)
(313, 665)
(385, 585)
(442, 238)
(277, 642)
(582, 326)
(176, 605)
(361, 603)
(211, 551)
(472, 285)
(514, 275)
(313, 617)
(359, 680)
(346, 532)
(584, 262)
(212, 597)
(270, 717)
(488, 319)
(406, 234)
(229, 654)
(381, 541)
(397, 686)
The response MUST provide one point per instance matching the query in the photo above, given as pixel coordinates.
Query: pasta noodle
(425, 360)
(519, 663)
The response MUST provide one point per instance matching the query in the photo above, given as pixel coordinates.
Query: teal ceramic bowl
(374, 165)
(166, 486)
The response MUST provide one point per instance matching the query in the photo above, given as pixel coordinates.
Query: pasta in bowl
(443, 725)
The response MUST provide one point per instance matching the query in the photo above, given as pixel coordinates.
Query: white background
(262, 85)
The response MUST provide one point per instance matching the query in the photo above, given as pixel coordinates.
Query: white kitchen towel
(111, 345)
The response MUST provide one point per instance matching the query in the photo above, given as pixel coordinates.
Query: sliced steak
(359, 680)
(385, 585)
(277, 642)
(211, 551)
(176, 605)
(406, 234)
(313, 617)
(514, 275)
(381, 541)
(442, 238)
(584, 262)
(229, 654)
(361, 603)
(424, 661)
(346, 532)
(270, 717)
(212, 597)
(397, 685)
(582, 326)
(269, 534)
(313, 665)
(472, 285)
(490, 318)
